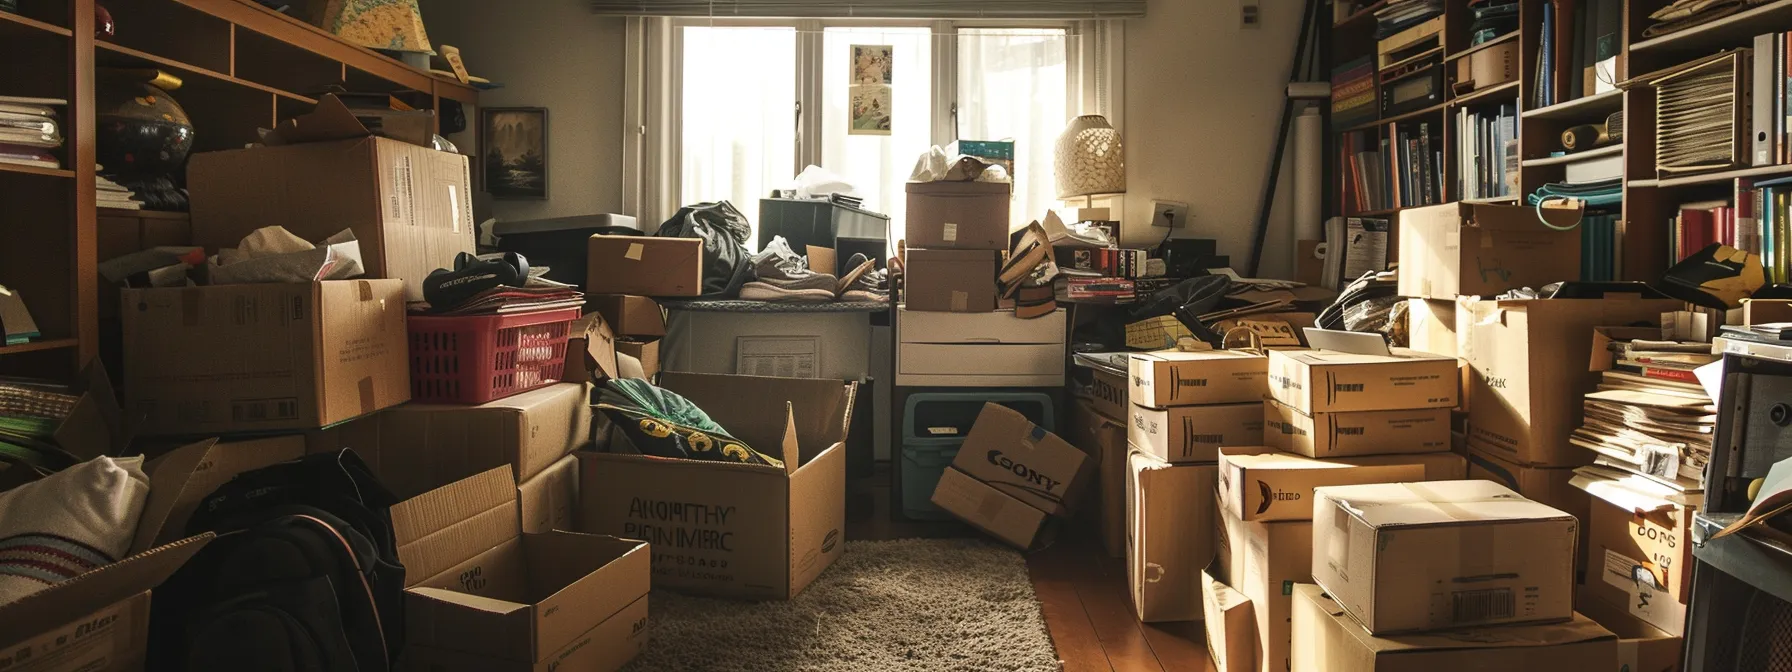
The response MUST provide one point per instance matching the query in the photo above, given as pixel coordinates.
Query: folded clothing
(69, 523)
(662, 423)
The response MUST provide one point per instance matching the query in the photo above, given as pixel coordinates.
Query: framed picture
(514, 151)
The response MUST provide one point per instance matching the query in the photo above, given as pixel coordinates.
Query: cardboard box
(184, 476)
(1632, 535)
(1104, 438)
(410, 207)
(1332, 641)
(647, 352)
(1231, 626)
(263, 358)
(958, 215)
(1108, 391)
(1390, 552)
(1436, 466)
(1023, 460)
(644, 265)
(1431, 326)
(630, 316)
(955, 281)
(416, 448)
(482, 594)
(728, 529)
(1264, 561)
(1423, 430)
(1194, 433)
(590, 350)
(1531, 369)
(1171, 378)
(1169, 536)
(1641, 647)
(1479, 249)
(550, 500)
(1489, 67)
(1327, 381)
(1547, 486)
(1260, 484)
(992, 511)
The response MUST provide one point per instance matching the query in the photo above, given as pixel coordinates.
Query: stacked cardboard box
(956, 235)
(1012, 479)
(1638, 554)
(1098, 423)
(624, 274)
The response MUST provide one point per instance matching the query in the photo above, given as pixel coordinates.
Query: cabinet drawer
(1000, 327)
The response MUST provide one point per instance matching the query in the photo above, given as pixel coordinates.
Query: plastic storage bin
(473, 359)
(934, 425)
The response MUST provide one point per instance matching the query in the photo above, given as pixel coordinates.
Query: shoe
(780, 266)
(860, 265)
(866, 282)
(764, 291)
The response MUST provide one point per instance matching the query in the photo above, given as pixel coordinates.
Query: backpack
(303, 576)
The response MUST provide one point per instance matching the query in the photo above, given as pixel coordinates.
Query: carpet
(910, 605)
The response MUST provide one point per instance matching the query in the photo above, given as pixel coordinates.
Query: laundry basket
(473, 359)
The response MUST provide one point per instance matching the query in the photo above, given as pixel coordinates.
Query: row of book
(1576, 56)
(1353, 93)
(1601, 246)
(1397, 166)
(1772, 99)
(29, 131)
(1487, 152)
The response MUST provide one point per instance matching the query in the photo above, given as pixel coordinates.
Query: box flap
(1630, 491)
(1398, 504)
(1340, 358)
(763, 411)
(64, 602)
(333, 120)
(95, 426)
(1262, 457)
(1199, 356)
(1603, 337)
(480, 603)
(1581, 629)
(451, 524)
(180, 479)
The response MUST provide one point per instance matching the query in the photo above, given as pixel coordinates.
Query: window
(760, 101)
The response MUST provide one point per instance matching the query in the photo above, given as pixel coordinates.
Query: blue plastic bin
(935, 424)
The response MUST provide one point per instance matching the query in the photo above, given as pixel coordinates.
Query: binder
(1765, 152)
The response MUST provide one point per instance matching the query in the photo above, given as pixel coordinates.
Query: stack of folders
(1399, 15)
(29, 130)
(1650, 416)
(1696, 116)
(1599, 246)
(1487, 152)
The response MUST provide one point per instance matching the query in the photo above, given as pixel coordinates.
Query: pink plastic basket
(473, 359)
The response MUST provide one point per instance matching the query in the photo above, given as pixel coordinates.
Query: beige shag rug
(913, 605)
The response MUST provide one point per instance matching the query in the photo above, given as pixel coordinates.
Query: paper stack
(28, 130)
(1650, 416)
(109, 194)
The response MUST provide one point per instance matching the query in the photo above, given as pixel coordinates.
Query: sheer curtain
(739, 135)
(878, 165)
(1012, 84)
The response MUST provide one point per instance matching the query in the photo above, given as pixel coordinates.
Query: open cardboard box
(481, 594)
(730, 529)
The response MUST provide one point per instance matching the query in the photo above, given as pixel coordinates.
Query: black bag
(303, 576)
(726, 263)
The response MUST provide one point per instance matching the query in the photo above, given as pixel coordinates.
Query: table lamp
(1090, 159)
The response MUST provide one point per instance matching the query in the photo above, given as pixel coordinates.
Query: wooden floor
(1082, 591)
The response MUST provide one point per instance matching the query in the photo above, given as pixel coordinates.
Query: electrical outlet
(1169, 214)
(1250, 15)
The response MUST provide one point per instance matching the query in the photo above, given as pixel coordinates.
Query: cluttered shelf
(1577, 156)
(1586, 106)
(1360, 14)
(1372, 125)
(1508, 37)
(1507, 90)
(11, 24)
(114, 55)
(1712, 178)
(1735, 30)
(35, 346)
(35, 170)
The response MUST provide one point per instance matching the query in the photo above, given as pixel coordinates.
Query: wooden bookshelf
(1735, 30)
(1608, 150)
(1598, 104)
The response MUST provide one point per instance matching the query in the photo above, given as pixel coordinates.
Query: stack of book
(29, 130)
(1698, 225)
(109, 194)
(1399, 166)
(1601, 246)
(1577, 51)
(1353, 93)
(1487, 152)
(1650, 416)
(1493, 19)
(1767, 209)
(1086, 288)
(1399, 15)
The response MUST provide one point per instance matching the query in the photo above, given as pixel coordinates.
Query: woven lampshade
(1090, 158)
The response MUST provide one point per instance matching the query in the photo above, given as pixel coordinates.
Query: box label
(684, 536)
(949, 232)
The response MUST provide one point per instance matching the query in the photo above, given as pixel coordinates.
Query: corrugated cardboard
(1326, 381)
(630, 316)
(1407, 557)
(647, 352)
(1104, 438)
(1170, 378)
(1431, 326)
(1023, 460)
(1479, 249)
(95, 622)
(644, 265)
(1530, 361)
(956, 281)
(1437, 466)
(416, 448)
(590, 350)
(1632, 536)
(1231, 626)
(243, 358)
(1423, 430)
(479, 589)
(410, 207)
(1260, 484)
(1109, 393)
(728, 529)
(1332, 641)
(1194, 433)
(1641, 647)
(95, 426)
(958, 215)
(183, 477)
(1264, 561)
(550, 500)
(1544, 485)
(988, 509)
(1169, 536)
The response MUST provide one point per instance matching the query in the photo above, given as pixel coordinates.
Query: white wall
(1203, 96)
(554, 54)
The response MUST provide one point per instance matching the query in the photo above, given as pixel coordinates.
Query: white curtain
(878, 165)
(739, 134)
(1012, 85)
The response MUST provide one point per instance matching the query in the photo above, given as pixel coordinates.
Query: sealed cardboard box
(482, 594)
(1260, 484)
(644, 265)
(956, 281)
(1328, 381)
(1231, 626)
(416, 448)
(1170, 538)
(729, 529)
(992, 511)
(1479, 249)
(1104, 438)
(1171, 378)
(1389, 553)
(266, 357)
(590, 350)
(1639, 552)
(410, 207)
(1549, 486)
(1348, 433)
(1531, 362)
(1332, 641)
(1641, 647)
(958, 215)
(1194, 433)
(1019, 458)
(550, 500)
(630, 316)
(1264, 561)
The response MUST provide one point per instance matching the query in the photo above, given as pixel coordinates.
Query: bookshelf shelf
(1712, 178)
(1508, 37)
(1608, 150)
(1377, 213)
(122, 56)
(38, 346)
(1502, 91)
(1371, 125)
(1428, 53)
(13, 24)
(34, 170)
(1360, 14)
(1495, 200)
(1736, 30)
(1585, 106)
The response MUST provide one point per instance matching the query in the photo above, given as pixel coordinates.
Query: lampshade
(1090, 158)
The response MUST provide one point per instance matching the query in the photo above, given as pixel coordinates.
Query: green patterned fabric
(662, 423)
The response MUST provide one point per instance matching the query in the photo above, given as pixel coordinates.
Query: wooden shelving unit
(243, 67)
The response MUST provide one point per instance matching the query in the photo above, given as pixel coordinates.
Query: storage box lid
(1580, 629)
(1404, 504)
(447, 526)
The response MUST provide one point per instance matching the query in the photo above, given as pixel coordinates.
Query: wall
(554, 54)
(1203, 96)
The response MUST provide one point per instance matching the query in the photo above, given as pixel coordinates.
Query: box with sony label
(1173, 378)
(1022, 460)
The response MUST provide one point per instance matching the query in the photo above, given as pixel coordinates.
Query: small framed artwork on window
(514, 152)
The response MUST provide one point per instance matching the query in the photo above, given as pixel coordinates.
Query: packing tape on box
(366, 290)
(634, 252)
